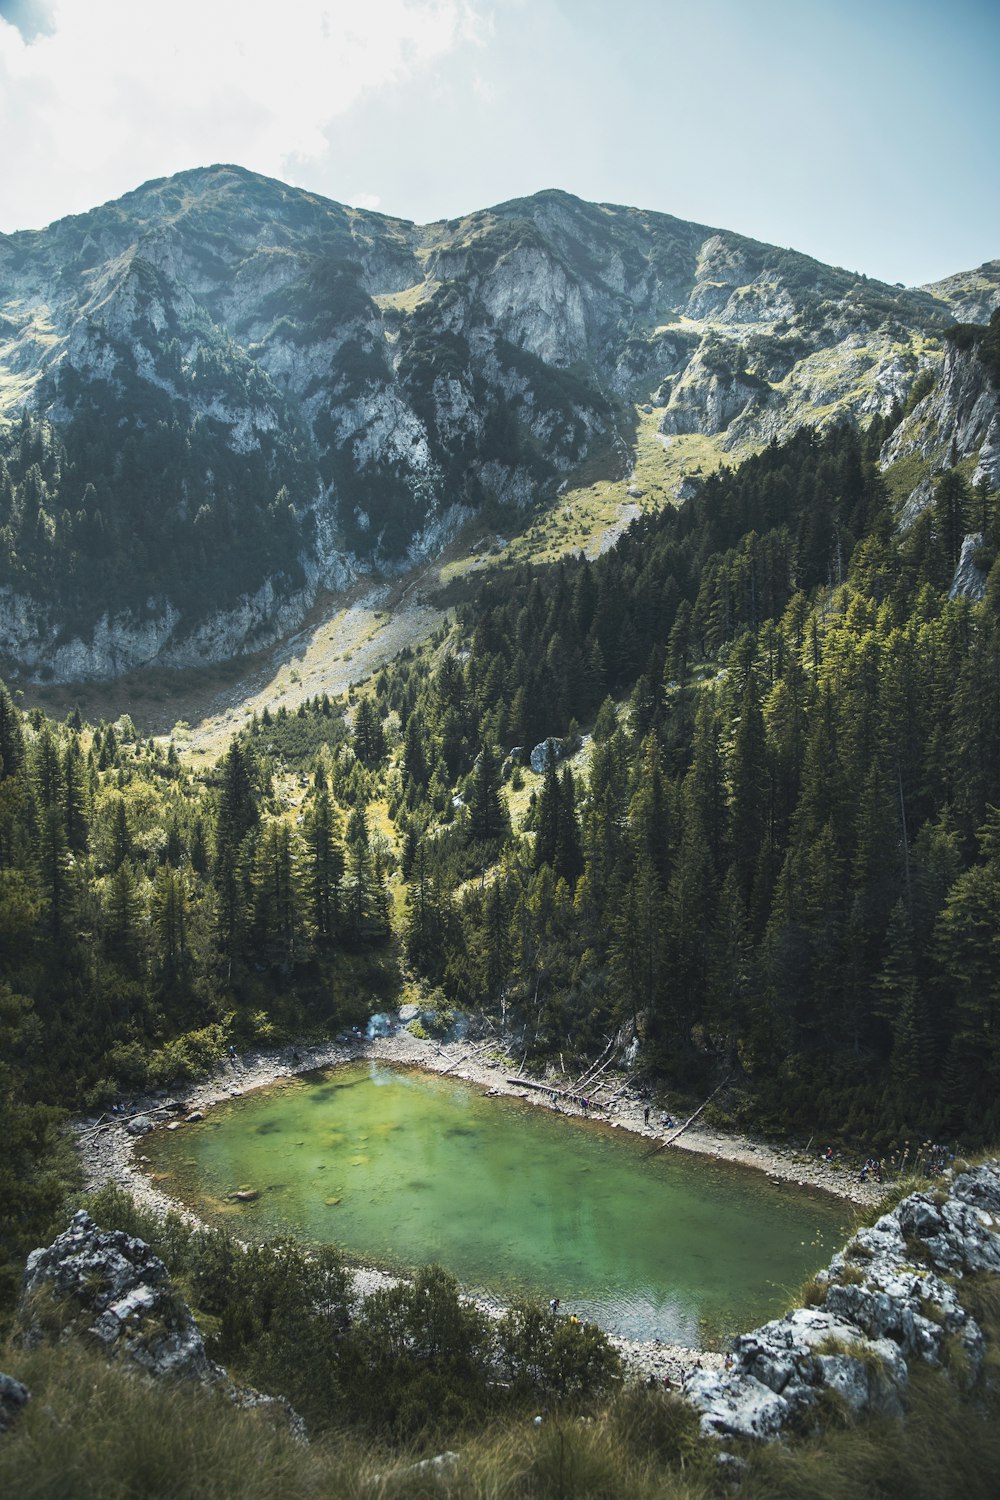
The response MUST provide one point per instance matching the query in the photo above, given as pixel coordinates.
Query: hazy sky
(865, 132)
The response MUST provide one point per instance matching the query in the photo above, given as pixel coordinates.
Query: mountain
(222, 395)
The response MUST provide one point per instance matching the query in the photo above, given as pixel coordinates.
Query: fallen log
(592, 1068)
(668, 1140)
(546, 1088)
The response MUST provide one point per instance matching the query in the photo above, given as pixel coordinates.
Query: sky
(864, 132)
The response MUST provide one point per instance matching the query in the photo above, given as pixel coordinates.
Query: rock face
(325, 390)
(958, 418)
(885, 1302)
(111, 1287)
(969, 581)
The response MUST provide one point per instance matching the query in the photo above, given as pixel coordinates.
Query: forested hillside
(775, 859)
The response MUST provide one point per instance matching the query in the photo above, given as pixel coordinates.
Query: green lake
(400, 1167)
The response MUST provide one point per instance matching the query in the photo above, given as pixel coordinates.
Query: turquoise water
(400, 1168)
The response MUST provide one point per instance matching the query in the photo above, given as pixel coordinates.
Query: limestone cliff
(958, 419)
(252, 392)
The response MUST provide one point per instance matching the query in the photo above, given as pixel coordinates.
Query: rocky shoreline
(111, 1148)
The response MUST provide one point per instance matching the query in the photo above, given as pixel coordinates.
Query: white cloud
(370, 201)
(121, 91)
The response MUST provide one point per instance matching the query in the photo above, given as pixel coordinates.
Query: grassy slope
(95, 1432)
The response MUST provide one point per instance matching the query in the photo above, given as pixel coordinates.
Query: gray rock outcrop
(958, 418)
(969, 581)
(107, 1286)
(540, 754)
(891, 1297)
(112, 1289)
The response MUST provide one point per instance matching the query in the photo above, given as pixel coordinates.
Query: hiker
(553, 1305)
(645, 1115)
(583, 1101)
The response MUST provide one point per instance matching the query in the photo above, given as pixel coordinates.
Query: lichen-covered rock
(892, 1296)
(736, 1405)
(113, 1288)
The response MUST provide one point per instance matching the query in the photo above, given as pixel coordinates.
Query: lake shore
(112, 1154)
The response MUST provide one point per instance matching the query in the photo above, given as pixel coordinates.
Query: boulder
(112, 1289)
(540, 754)
(736, 1406)
(13, 1397)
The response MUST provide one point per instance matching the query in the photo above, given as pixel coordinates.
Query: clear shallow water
(400, 1168)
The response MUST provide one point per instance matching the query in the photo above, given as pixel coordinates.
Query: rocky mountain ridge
(247, 393)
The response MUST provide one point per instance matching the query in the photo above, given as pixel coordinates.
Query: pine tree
(901, 1004)
(75, 797)
(170, 924)
(488, 819)
(239, 812)
(324, 871)
(568, 856)
(12, 756)
(275, 895)
(548, 813)
(369, 736)
(951, 509)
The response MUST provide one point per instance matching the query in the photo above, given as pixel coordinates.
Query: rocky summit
(221, 395)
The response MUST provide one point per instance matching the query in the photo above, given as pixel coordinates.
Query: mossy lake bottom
(400, 1167)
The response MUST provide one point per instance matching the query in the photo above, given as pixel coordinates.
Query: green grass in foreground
(92, 1431)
